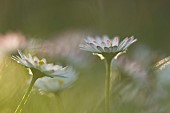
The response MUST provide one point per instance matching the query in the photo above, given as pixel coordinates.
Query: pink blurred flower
(10, 42)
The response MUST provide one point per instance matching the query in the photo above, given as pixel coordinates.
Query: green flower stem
(25, 97)
(107, 84)
(59, 103)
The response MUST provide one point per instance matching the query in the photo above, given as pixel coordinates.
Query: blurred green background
(147, 20)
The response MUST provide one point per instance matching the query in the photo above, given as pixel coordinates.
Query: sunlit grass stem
(25, 97)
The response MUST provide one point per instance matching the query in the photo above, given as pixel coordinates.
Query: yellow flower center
(110, 44)
(41, 63)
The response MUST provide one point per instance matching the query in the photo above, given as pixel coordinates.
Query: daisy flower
(39, 69)
(36, 65)
(56, 84)
(106, 46)
(107, 49)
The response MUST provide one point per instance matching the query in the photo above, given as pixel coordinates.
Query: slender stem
(60, 103)
(25, 97)
(97, 105)
(107, 85)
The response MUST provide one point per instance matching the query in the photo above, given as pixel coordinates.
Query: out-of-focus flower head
(38, 66)
(145, 55)
(64, 46)
(11, 41)
(137, 73)
(47, 84)
(104, 45)
(142, 89)
(133, 68)
(163, 69)
(139, 64)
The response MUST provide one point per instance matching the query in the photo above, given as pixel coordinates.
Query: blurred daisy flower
(48, 84)
(139, 64)
(137, 73)
(40, 65)
(133, 68)
(10, 42)
(106, 46)
(65, 47)
(162, 68)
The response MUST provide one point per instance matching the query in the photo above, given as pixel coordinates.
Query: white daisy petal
(98, 39)
(106, 40)
(44, 60)
(130, 41)
(100, 49)
(20, 53)
(94, 47)
(30, 57)
(123, 43)
(115, 41)
(36, 59)
(87, 47)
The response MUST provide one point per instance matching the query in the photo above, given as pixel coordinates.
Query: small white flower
(35, 65)
(55, 84)
(106, 45)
